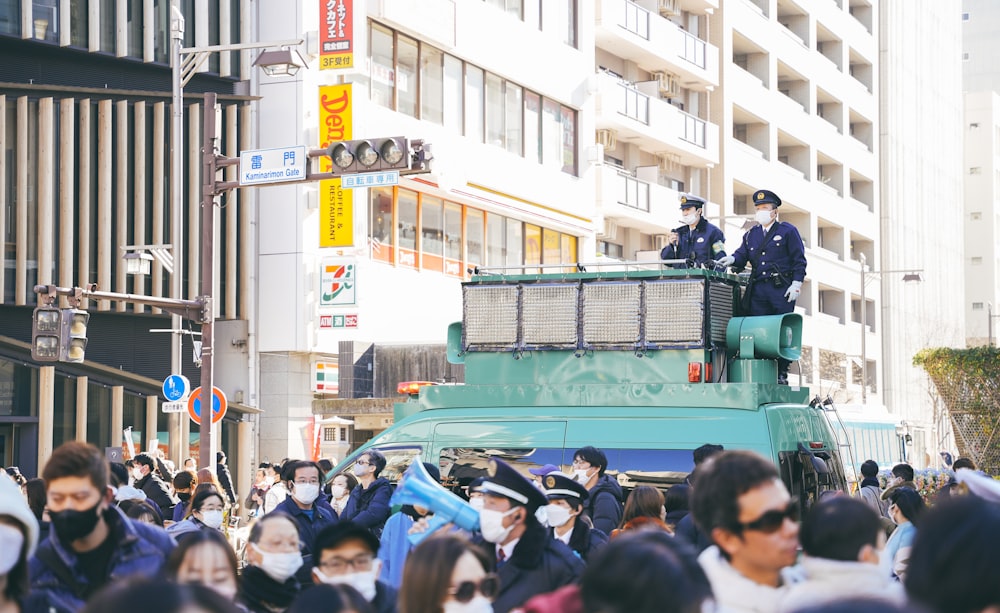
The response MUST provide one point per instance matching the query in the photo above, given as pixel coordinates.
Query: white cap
(13, 504)
(979, 484)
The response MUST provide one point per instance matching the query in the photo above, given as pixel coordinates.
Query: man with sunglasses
(369, 501)
(345, 553)
(529, 561)
(742, 503)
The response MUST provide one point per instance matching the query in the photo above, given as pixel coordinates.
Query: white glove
(727, 261)
(793, 291)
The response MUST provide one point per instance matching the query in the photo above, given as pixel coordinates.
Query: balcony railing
(632, 192)
(694, 50)
(694, 130)
(633, 103)
(635, 19)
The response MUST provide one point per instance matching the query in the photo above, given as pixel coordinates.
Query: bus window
(460, 465)
(397, 460)
(656, 467)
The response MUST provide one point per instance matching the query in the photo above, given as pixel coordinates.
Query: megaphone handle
(434, 523)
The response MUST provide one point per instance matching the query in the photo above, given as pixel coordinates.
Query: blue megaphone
(419, 488)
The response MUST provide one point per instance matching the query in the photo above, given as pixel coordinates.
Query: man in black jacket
(369, 501)
(529, 562)
(149, 482)
(604, 505)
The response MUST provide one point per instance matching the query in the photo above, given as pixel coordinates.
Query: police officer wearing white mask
(775, 251)
(529, 562)
(566, 498)
(697, 241)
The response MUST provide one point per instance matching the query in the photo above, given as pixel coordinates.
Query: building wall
(980, 32)
(921, 172)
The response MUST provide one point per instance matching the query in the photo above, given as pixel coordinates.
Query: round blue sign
(176, 387)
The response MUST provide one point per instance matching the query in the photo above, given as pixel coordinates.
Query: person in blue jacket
(775, 251)
(697, 241)
(369, 501)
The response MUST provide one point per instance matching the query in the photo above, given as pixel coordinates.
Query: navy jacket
(604, 506)
(370, 507)
(703, 245)
(585, 540)
(322, 516)
(783, 253)
(140, 550)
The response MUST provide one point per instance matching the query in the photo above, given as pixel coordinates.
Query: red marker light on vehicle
(411, 388)
(708, 372)
(815, 445)
(694, 372)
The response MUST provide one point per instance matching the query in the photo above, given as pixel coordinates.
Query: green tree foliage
(968, 381)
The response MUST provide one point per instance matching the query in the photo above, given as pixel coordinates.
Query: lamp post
(185, 62)
(909, 275)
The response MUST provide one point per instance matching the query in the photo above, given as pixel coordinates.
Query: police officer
(775, 251)
(529, 562)
(697, 241)
(566, 498)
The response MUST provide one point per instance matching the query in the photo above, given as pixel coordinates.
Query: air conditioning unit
(660, 241)
(608, 138)
(669, 162)
(668, 8)
(608, 231)
(670, 84)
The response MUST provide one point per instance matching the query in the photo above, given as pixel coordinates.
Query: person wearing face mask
(604, 503)
(448, 574)
(341, 487)
(276, 491)
(529, 562)
(566, 498)
(395, 544)
(183, 482)
(475, 495)
(345, 554)
(369, 501)
(775, 251)
(207, 509)
(841, 541)
(306, 506)
(149, 481)
(268, 584)
(697, 241)
(91, 539)
(18, 539)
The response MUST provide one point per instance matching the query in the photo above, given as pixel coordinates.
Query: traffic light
(73, 340)
(369, 155)
(46, 328)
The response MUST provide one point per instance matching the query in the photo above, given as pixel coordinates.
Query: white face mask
(558, 515)
(479, 604)
(360, 470)
(582, 475)
(305, 493)
(136, 474)
(477, 503)
(212, 519)
(338, 491)
(279, 566)
(690, 219)
(363, 581)
(764, 217)
(11, 543)
(269, 480)
(491, 525)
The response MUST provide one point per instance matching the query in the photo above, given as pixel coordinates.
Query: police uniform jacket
(584, 540)
(539, 564)
(702, 245)
(782, 253)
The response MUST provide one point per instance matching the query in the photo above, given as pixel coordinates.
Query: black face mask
(184, 496)
(71, 524)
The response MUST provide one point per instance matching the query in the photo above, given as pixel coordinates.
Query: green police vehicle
(645, 364)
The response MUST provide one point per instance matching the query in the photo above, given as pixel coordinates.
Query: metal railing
(694, 49)
(632, 192)
(633, 103)
(694, 130)
(635, 19)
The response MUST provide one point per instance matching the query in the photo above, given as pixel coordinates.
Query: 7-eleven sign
(337, 282)
(326, 376)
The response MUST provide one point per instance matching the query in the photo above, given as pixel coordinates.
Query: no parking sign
(219, 405)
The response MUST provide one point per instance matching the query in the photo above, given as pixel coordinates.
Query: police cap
(688, 200)
(502, 480)
(562, 487)
(763, 196)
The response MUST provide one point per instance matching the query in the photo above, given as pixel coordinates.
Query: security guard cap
(688, 200)
(763, 196)
(502, 480)
(561, 487)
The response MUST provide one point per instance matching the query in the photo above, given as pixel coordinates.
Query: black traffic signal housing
(73, 341)
(369, 155)
(46, 334)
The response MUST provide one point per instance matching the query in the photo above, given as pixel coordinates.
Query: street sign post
(219, 405)
(174, 407)
(262, 166)
(176, 388)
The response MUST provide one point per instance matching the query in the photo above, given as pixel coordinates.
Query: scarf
(870, 481)
(262, 593)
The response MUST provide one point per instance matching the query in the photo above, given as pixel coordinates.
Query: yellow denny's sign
(336, 205)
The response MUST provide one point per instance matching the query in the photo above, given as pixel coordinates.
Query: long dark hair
(194, 540)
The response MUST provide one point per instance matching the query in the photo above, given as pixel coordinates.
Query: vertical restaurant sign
(336, 44)
(337, 282)
(336, 204)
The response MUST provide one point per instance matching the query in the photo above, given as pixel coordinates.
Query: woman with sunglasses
(447, 574)
(905, 510)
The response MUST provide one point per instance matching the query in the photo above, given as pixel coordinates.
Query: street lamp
(185, 62)
(909, 276)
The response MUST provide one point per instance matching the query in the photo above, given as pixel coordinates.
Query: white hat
(979, 484)
(13, 504)
(127, 492)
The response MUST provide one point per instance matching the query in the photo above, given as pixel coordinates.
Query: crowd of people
(93, 536)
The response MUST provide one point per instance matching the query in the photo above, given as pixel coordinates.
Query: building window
(134, 31)
(45, 20)
(454, 94)
(977, 306)
(496, 233)
(330, 435)
(407, 227)
(107, 25)
(515, 242)
(474, 237)
(494, 110)
(976, 216)
(453, 239)
(10, 17)
(431, 233)
(382, 66)
(432, 84)
(977, 261)
(965, 16)
(474, 101)
(965, 57)
(611, 250)
(406, 76)
(513, 110)
(380, 224)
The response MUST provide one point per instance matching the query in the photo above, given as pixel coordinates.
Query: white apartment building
(565, 131)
